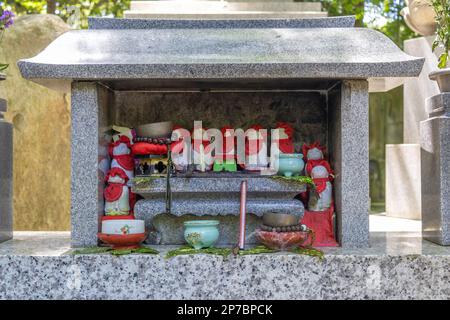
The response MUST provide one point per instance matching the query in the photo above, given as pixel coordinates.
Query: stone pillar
(435, 163)
(349, 140)
(6, 162)
(90, 118)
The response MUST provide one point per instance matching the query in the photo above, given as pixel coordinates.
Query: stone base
(403, 193)
(397, 266)
(435, 163)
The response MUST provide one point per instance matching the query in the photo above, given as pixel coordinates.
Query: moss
(185, 250)
(115, 252)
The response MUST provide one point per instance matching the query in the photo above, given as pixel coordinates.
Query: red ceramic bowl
(123, 241)
(283, 240)
(106, 218)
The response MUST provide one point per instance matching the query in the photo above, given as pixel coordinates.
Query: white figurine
(117, 193)
(201, 154)
(256, 149)
(180, 148)
(321, 174)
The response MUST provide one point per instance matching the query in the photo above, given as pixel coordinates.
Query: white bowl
(126, 226)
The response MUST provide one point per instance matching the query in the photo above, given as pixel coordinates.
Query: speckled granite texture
(435, 167)
(89, 115)
(327, 53)
(397, 266)
(6, 177)
(438, 105)
(328, 22)
(349, 155)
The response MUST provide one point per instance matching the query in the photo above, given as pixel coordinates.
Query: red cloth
(116, 172)
(321, 184)
(306, 148)
(145, 148)
(122, 139)
(113, 192)
(322, 225)
(286, 145)
(126, 161)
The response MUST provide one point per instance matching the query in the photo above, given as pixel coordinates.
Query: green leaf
(3, 66)
(443, 58)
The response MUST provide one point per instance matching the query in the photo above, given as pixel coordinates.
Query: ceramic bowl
(155, 130)
(283, 240)
(201, 233)
(123, 226)
(273, 219)
(290, 164)
(127, 241)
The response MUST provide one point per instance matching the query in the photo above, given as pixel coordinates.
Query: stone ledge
(219, 184)
(397, 266)
(136, 23)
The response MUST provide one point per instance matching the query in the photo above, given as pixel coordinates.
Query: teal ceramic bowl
(290, 164)
(201, 233)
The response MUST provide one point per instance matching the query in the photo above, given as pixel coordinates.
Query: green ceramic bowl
(201, 233)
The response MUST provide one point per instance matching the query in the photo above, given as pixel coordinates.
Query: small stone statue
(117, 193)
(180, 149)
(312, 154)
(201, 150)
(321, 174)
(121, 155)
(256, 149)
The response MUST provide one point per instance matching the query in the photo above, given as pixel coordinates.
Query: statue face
(314, 154)
(319, 172)
(121, 149)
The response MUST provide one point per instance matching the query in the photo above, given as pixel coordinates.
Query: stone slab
(220, 54)
(435, 159)
(403, 181)
(219, 184)
(204, 6)
(136, 23)
(396, 266)
(6, 176)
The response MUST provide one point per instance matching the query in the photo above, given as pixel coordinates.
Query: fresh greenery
(309, 251)
(6, 21)
(225, 252)
(442, 8)
(255, 250)
(186, 250)
(115, 252)
(297, 179)
(74, 12)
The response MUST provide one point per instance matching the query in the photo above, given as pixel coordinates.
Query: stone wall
(306, 111)
(41, 118)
